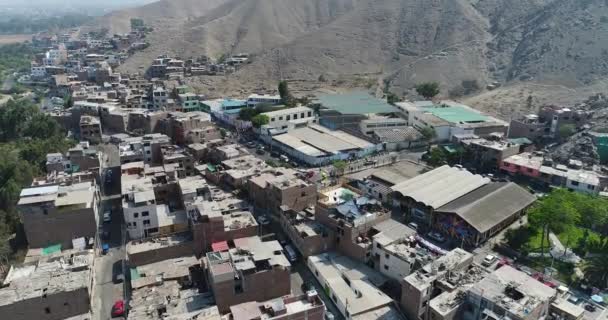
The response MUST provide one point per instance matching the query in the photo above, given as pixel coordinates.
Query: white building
(255, 99)
(55, 57)
(353, 287)
(583, 181)
(368, 126)
(37, 71)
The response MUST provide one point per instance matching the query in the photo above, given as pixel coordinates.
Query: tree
(566, 130)
(246, 114)
(428, 89)
(339, 165)
(596, 271)
(284, 91)
(260, 120)
(428, 134)
(392, 98)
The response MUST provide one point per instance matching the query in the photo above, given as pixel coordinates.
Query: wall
(397, 268)
(137, 231)
(146, 257)
(59, 306)
(278, 277)
(57, 227)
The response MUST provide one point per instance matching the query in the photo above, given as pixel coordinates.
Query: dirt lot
(14, 38)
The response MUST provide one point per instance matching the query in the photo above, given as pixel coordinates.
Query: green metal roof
(456, 114)
(134, 273)
(356, 102)
(211, 167)
(51, 249)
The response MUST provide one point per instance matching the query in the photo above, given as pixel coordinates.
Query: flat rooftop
(59, 273)
(456, 114)
(137, 246)
(170, 269)
(527, 160)
(75, 195)
(513, 290)
(287, 305)
(238, 220)
(355, 102)
(352, 283)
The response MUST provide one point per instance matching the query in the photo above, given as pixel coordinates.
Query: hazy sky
(59, 6)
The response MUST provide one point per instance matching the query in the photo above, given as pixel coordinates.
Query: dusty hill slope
(401, 42)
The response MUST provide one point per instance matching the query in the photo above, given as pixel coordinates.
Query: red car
(118, 309)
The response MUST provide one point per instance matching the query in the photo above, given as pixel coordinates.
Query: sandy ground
(14, 38)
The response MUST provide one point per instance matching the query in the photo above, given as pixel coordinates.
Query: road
(107, 267)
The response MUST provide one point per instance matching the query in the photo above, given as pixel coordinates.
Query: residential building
(58, 214)
(217, 221)
(353, 287)
(150, 206)
(395, 251)
(237, 171)
(280, 187)
(146, 148)
(182, 160)
(53, 288)
(351, 217)
(90, 129)
(433, 282)
(307, 235)
(487, 154)
(236, 275)
(509, 293)
(225, 152)
(420, 196)
(256, 99)
(169, 289)
(189, 102)
(305, 307)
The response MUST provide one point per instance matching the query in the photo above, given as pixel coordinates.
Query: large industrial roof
(440, 186)
(490, 205)
(356, 102)
(315, 140)
(456, 114)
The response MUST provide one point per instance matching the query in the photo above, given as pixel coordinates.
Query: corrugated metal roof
(489, 205)
(440, 186)
(357, 102)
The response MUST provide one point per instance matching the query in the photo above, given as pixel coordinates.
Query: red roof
(220, 246)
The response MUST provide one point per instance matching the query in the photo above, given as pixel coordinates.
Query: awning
(220, 246)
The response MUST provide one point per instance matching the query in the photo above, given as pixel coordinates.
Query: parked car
(488, 260)
(589, 307)
(290, 252)
(107, 216)
(413, 225)
(574, 300)
(260, 151)
(118, 309)
(275, 154)
(251, 144)
(436, 236)
(503, 262)
(329, 316)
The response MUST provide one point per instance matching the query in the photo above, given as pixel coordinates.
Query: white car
(107, 216)
(488, 260)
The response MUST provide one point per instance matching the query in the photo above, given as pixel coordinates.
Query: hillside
(394, 42)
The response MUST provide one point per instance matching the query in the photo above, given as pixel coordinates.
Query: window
(280, 118)
(575, 183)
(134, 224)
(378, 246)
(303, 193)
(310, 113)
(590, 187)
(273, 120)
(148, 152)
(47, 310)
(385, 267)
(386, 255)
(288, 118)
(146, 222)
(135, 214)
(295, 116)
(45, 211)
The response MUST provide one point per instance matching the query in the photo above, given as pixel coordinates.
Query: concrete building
(54, 288)
(449, 118)
(305, 307)
(90, 129)
(58, 214)
(508, 292)
(420, 196)
(349, 110)
(372, 124)
(158, 249)
(395, 252)
(149, 201)
(216, 222)
(481, 214)
(181, 158)
(280, 187)
(488, 154)
(436, 280)
(353, 287)
(237, 171)
(256, 99)
(317, 145)
(308, 236)
(169, 289)
(291, 117)
(236, 276)
(397, 139)
(146, 148)
(351, 217)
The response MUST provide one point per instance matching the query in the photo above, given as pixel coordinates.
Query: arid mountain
(463, 44)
